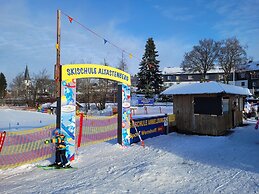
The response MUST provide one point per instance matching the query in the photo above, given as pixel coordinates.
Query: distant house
(209, 108)
(248, 77)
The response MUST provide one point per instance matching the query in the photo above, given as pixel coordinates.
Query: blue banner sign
(146, 101)
(147, 127)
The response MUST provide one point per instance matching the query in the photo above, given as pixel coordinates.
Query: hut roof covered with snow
(206, 88)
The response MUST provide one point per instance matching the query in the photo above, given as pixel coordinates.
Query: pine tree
(3, 85)
(149, 77)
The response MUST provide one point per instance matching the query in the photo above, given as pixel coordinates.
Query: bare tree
(101, 92)
(123, 65)
(18, 86)
(202, 58)
(42, 86)
(85, 88)
(231, 56)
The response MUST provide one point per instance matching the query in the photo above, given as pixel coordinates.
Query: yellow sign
(74, 71)
(171, 118)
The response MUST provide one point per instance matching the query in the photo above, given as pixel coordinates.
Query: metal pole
(58, 74)
(119, 107)
(234, 81)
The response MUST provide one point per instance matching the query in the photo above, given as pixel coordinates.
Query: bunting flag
(56, 46)
(104, 40)
(70, 19)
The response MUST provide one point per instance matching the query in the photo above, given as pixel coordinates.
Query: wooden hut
(209, 108)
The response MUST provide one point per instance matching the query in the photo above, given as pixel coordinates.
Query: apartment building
(248, 77)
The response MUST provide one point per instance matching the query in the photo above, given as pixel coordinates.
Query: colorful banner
(68, 98)
(95, 130)
(68, 115)
(75, 71)
(26, 146)
(146, 101)
(125, 115)
(147, 127)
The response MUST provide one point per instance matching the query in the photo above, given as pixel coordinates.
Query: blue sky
(28, 30)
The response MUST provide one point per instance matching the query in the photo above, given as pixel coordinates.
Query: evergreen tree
(3, 85)
(149, 77)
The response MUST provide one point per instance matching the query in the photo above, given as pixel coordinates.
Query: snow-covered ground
(13, 120)
(173, 163)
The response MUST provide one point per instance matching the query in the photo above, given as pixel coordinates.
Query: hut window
(241, 104)
(208, 105)
(177, 78)
(225, 104)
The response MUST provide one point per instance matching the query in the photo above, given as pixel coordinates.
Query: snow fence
(98, 129)
(23, 147)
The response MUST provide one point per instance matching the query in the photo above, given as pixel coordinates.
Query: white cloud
(30, 40)
(171, 52)
(82, 45)
(240, 19)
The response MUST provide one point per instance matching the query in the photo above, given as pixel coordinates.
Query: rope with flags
(99, 36)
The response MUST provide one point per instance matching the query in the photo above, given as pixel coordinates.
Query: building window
(225, 104)
(254, 75)
(242, 75)
(243, 83)
(207, 77)
(190, 77)
(177, 78)
(220, 77)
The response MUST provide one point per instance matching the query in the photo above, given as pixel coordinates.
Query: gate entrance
(69, 74)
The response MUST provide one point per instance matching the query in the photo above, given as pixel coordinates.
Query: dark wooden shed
(209, 108)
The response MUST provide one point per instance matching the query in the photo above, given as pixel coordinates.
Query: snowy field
(13, 120)
(173, 163)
